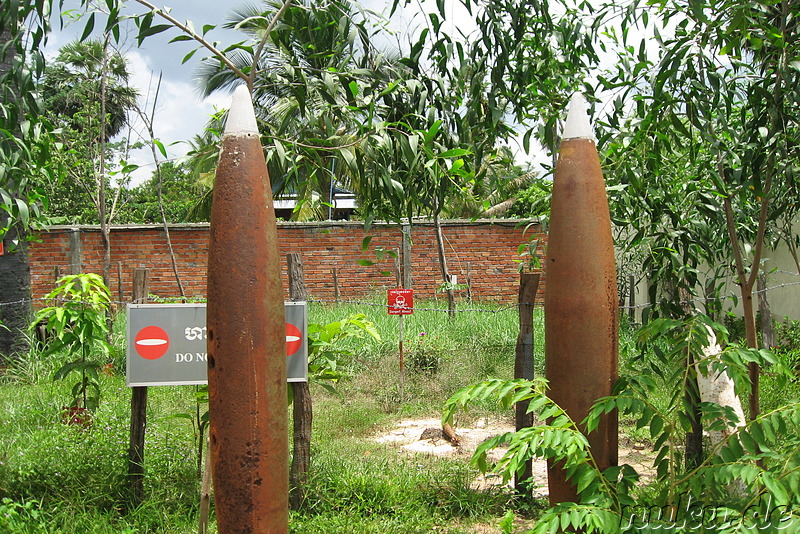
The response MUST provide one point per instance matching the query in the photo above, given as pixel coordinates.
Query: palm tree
(71, 93)
(74, 80)
(304, 100)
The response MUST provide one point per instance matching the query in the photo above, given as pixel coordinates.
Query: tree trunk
(15, 297)
(523, 367)
(16, 307)
(451, 300)
(101, 180)
(752, 342)
(302, 412)
(746, 282)
(765, 320)
(694, 437)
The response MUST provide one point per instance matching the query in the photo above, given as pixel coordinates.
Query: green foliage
(19, 517)
(26, 139)
(71, 89)
(787, 336)
(425, 355)
(603, 495)
(528, 253)
(78, 324)
(533, 201)
(749, 475)
(181, 194)
(328, 347)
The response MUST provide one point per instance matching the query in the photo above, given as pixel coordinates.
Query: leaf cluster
(736, 487)
(26, 140)
(77, 322)
(328, 347)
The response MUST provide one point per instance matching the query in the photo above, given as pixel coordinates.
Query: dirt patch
(425, 436)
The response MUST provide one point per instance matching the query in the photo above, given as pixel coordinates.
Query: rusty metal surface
(581, 306)
(246, 347)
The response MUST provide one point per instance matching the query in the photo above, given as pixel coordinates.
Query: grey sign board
(167, 344)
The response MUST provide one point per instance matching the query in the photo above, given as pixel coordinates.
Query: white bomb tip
(241, 117)
(577, 125)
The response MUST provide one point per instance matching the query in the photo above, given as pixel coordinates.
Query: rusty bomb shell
(246, 338)
(581, 307)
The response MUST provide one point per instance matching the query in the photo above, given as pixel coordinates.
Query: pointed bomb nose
(241, 117)
(577, 125)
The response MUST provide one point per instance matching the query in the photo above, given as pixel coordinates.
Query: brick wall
(485, 250)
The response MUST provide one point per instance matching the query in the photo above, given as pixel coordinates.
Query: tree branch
(257, 55)
(199, 38)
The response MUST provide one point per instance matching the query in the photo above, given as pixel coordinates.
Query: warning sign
(167, 344)
(401, 301)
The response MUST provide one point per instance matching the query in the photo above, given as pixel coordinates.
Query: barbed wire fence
(470, 308)
(371, 303)
(476, 341)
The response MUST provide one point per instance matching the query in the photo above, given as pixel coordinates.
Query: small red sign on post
(401, 301)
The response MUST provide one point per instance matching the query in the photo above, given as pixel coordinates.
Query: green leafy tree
(180, 192)
(314, 73)
(26, 142)
(71, 92)
(720, 95)
(87, 92)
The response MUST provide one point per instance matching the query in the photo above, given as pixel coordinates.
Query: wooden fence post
(469, 281)
(523, 365)
(302, 412)
(335, 285)
(408, 282)
(767, 330)
(138, 409)
(398, 271)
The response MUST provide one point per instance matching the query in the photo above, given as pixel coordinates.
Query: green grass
(56, 478)
(60, 478)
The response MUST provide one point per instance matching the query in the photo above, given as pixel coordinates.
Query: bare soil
(424, 436)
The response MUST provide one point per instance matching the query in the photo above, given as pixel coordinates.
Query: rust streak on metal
(246, 339)
(581, 306)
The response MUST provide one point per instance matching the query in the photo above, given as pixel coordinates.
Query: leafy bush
(787, 336)
(748, 481)
(78, 323)
(425, 356)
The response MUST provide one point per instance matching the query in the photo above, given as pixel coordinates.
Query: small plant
(528, 257)
(425, 356)
(745, 483)
(528, 253)
(19, 517)
(327, 346)
(77, 321)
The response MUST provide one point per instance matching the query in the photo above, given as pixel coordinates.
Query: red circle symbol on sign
(151, 342)
(294, 339)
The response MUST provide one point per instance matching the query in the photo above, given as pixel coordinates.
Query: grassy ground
(57, 478)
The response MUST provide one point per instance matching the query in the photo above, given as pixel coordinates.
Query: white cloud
(180, 114)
